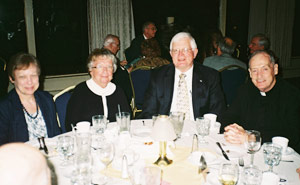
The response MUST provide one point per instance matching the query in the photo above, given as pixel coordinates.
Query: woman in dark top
(97, 95)
(26, 113)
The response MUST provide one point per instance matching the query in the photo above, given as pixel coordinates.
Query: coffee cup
(83, 126)
(282, 141)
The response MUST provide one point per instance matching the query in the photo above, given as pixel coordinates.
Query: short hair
(181, 35)
(104, 53)
(150, 48)
(226, 46)
(263, 40)
(269, 53)
(22, 61)
(109, 39)
(146, 24)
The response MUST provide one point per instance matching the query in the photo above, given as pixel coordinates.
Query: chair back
(140, 78)
(61, 100)
(232, 77)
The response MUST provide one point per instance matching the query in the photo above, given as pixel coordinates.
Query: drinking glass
(251, 175)
(253, 143)
(177, 120)
(99, 124)
(65, 147)
(272, 154)
(106, 153)
(123, 120)
(202, 125)
(228, 174)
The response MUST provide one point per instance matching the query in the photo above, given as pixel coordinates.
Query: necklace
(37, 112)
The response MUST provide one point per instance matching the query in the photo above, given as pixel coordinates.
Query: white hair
(181, 35)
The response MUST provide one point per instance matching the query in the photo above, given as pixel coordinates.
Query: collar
(145, 37)
(187, 73)
(95, 88)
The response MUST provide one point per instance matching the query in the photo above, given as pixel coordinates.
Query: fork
(40, 148)
(202, 165)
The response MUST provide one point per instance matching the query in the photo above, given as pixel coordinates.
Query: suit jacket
(207, 95)
(134, 51)
(13, 126)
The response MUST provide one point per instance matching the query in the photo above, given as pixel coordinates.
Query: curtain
(110, 17)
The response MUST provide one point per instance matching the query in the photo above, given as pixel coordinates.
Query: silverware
(223, 152)
(195, 143)
(202, 165)
(45, 147)
(41, 148)
(288, 161)
(241, 162)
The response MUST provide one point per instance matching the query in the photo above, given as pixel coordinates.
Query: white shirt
(189, 79)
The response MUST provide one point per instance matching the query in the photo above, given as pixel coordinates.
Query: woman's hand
(235, 134)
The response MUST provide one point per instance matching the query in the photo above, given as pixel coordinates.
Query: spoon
(202, 165)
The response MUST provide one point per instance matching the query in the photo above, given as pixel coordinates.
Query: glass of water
(177, 119)
(251, 175)
(99, 124)
(202, 125)
(65, 147)
(272, 154)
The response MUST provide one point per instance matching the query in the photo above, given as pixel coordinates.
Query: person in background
(26, 113)
(121, 76)
(259, 42)
(134, 51)
(184, 85)
(21, 164)
(98, 95)
(267, 104)
(224, 58)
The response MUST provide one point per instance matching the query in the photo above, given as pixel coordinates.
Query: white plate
(288, 151)
(234, 151)
(142, 131)
(194, 158)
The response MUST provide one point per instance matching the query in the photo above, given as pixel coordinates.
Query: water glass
(202, 125)
(177, 119)
(272, 154)
(253, 143)
(65, 147)
(83, 167)
(123, 120)
(154, 118)
(99, 124)
(228, 174)
(251, 175)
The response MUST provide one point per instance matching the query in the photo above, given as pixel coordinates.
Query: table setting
(166, 151)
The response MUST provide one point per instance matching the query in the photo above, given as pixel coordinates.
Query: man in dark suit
(134, 51)
(204, 94)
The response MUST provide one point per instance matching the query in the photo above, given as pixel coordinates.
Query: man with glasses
(183, 86)
(134, 51)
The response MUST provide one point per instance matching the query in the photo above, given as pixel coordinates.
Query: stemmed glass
(65, 147)
(272, 154)
(253, 143)
(106, 153)
(202, 125)
(228, 174)
(177, 119)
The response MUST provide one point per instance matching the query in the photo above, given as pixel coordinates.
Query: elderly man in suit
(184, 86)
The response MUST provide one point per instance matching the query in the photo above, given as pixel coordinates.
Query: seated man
(268, 104)
(259, 42)
(22, 164)
(183, 86)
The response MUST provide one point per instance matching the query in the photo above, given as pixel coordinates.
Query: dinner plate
(194, 158)
(234, 151)
(141, 131)
(289, 151)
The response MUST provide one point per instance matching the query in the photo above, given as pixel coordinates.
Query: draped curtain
(110, 17)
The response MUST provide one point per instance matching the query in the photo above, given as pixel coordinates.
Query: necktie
(183, 97)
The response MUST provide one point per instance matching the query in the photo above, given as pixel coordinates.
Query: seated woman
(26, 113)
(97, 95)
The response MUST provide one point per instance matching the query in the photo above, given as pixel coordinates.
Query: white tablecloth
(286, 170)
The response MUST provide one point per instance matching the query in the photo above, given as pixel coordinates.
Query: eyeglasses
(184, 50)
(101, 67)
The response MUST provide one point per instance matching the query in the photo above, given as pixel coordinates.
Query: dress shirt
(188, 79)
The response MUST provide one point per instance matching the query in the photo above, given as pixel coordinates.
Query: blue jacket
(13, 126)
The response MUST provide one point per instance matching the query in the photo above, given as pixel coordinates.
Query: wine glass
(106, 153)
(272, 154)
(253, 143)
(228, 174)
(65, 147)
(202, 125)
(177, 119)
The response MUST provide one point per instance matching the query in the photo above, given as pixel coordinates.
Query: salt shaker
(124, 167)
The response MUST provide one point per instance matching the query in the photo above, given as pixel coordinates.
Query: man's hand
(298, 171)
(123, 63)
(235, 134)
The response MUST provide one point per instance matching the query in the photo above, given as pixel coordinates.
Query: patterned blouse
(36, 125)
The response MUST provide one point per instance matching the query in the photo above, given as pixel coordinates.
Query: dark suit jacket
(207, 95)
(13, 126)
(134, 51)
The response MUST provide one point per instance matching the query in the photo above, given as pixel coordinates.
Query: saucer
(288, 151)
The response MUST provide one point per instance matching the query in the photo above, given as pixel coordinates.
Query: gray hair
(226, 46)
(104, 53)
(109, 39)
(269, 53)
(146, 24)
(181, 35)
(263, 40)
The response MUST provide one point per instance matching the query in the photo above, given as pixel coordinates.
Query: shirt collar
(95, 88)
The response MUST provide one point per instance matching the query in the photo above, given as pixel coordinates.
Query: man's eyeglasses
(101, 67)
(184, 50)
